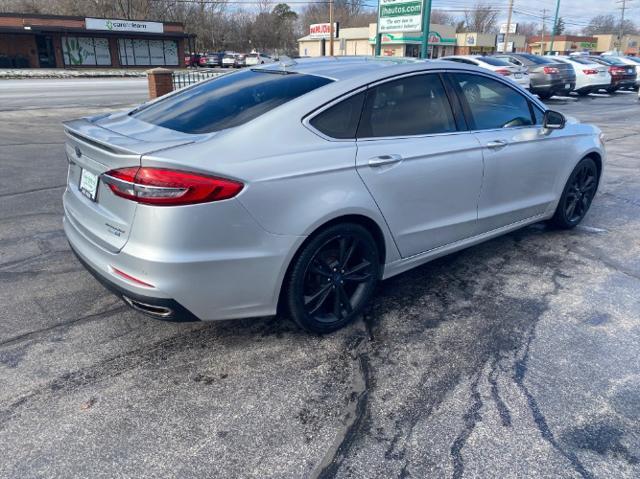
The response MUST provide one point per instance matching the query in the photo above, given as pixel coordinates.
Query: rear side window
(491, 103)
(581, 61)
(341, 120)
(228, 101)
(415, 105)
(537, 59)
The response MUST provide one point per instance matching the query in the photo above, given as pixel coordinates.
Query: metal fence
(184, 79)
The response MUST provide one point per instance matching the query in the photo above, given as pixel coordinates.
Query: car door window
(491, 104)
(414, 105)
(340, 121)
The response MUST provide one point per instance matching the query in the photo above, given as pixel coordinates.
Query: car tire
(584, 92)
(332, 278)
(545, 95)
(577, 195)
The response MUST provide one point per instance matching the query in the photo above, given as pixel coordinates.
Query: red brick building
(53, 41)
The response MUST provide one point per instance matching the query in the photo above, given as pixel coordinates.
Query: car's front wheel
(333, 277)
(577, 195)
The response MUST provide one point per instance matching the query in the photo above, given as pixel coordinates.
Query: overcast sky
(576, 13)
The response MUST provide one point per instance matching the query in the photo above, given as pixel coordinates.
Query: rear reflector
(131, 278)
(162, 187)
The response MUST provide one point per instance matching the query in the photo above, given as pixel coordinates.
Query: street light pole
(555, 26)
(426, 25)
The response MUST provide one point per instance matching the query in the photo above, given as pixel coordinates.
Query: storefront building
(472, 43)
(563, 44)
(52, 41)
(630, 44)
(362, 40)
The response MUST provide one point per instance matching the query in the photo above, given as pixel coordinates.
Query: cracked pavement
(515, 358)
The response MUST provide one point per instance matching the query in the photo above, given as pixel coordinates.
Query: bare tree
(440, 17)
(481, 18)
(603, 24)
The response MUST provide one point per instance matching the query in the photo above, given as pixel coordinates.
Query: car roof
(352, 67)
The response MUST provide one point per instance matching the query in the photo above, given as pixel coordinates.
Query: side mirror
(553, 120)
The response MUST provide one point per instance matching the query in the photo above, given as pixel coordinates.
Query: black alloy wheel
(333, 278)
(577, 195)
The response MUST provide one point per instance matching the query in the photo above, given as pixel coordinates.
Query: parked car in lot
(513, 72)
(192, 60)
(634, 62)
(229, 60)
(240, 60)
(366, 168)
(591, 77)
(622, 75)
(547, 77)
(211, 60)
(258, 59)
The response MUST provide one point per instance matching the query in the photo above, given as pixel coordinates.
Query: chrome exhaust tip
(150, 309)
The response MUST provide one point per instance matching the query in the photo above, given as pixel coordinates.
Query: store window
(83, 51)
(147, 52)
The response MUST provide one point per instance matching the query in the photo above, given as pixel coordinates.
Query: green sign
(401, 9)
(400, 16)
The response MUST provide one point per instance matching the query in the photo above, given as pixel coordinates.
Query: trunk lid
(94, 146)
(566, 71)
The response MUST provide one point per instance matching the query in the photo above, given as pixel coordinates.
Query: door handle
(383, 160)
(495, 144)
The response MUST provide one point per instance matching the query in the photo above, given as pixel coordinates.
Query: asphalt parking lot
(515, 358)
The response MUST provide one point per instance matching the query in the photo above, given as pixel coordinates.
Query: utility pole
(506, 33)
(621, 32)
(330, 28)
(426, 26)
(544, 21)
(555, 24)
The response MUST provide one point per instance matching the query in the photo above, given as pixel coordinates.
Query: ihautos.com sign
(400, 15)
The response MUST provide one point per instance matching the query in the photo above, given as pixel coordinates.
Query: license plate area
(88, 184)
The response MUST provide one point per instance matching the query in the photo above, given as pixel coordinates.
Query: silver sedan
(298, 186)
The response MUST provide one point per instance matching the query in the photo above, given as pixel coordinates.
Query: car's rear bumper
(553, 85)
(165, 309)
(624, 82)
(196, 269)
(593, 87)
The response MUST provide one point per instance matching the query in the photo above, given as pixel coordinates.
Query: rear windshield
(634, 59)
(496, 62)
(228, 101)
(581, 61)
(611, 61)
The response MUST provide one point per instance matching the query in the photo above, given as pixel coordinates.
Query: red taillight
(503, 71)
(617, 70)
(162, 187)
(550, 70)
(589, 71)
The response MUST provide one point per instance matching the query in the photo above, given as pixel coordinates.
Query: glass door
(46, 55)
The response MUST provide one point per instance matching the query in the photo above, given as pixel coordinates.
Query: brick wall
(160, 82)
